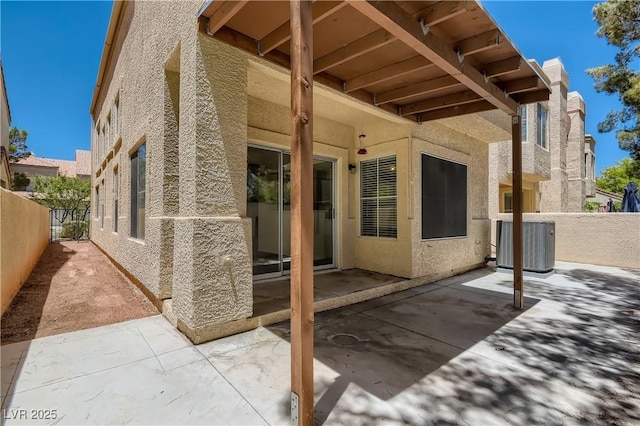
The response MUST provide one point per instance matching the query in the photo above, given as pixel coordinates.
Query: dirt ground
(72, 287)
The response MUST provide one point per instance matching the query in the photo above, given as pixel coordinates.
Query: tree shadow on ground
(573, 358)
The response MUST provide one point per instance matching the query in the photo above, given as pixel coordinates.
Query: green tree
(69, 195)
(619, 22)
(20, 182)
(615, 178)
(18, 144)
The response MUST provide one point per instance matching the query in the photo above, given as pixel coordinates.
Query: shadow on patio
(456, 351)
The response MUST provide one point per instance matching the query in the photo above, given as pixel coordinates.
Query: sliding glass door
(269, 207)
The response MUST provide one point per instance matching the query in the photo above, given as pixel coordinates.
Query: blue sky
(51, 52)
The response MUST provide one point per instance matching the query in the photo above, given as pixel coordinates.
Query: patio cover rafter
(357, 48)
(365, 60)
(441, 11)
(282, 34)
(439, 83)
(227, 11)
(454, 111)
(394, 19)
(460, 98)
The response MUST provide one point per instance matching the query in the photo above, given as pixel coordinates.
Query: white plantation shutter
(378, 198)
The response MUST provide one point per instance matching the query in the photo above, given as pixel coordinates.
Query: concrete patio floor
(451, 352)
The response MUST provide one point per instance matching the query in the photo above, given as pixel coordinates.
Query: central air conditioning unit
(538, 245)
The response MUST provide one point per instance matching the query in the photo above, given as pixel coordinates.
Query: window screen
(542, 126)
(444, 198)
(138, 173)
(378, 198)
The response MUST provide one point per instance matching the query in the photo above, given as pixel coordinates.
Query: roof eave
(114, 23)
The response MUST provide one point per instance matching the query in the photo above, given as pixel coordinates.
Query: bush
(592, 206)
(74, 229)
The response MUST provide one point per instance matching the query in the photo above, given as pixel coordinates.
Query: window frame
(137, 228)
(466, 222)
(116, 192)
(97, 195)
(378, 198)
(116, 116)
(542, 136)
(504, 202)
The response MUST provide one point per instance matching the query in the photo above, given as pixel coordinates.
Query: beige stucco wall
(611, 239)
(197, 103)
(447, 256)
(24, 235)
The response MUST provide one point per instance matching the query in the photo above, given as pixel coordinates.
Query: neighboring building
(558, 159)
(190, 151)
(5, 121)
(603, 197)
(33, 166)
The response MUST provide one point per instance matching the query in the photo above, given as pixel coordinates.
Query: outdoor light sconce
(363, 148)
(352, 168)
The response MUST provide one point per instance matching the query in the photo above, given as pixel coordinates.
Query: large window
(115, 199)
(508, 202)
(378, 198)
(116, 116)
(138, 166)
(444, 198)
(97, 201)
(102, 205)
(542, 126)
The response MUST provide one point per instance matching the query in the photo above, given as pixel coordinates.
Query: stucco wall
(196, 103)
(442, 257)
(24, 235)
(611, 239)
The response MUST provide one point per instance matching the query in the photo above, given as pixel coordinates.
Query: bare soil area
(72, 287)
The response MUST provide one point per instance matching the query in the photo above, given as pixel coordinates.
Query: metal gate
(69, 224)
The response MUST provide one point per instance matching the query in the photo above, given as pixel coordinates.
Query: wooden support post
(301, 212)
(516, 150)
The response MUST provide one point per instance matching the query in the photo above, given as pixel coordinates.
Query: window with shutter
(378, 198)
(444, 198)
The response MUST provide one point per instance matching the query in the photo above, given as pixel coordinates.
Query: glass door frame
(334, 227)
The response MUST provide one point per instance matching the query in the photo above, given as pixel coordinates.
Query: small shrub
(74, 229)
(592, 206)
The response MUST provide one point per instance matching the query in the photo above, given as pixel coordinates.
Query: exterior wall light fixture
(363, 148)
(352, 168)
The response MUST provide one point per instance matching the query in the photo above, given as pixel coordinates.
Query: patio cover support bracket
(516, 149)
(302, 210)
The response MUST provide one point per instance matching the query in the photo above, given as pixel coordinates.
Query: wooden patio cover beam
(224, 14)
(434, 14)
(424, 87)
(403, 26)
(461, 98)
(520, 88)
(321, 10)
(469, 46)
(454, 111)
(440, 12)
(352, 50)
